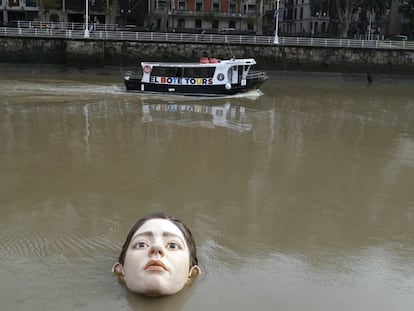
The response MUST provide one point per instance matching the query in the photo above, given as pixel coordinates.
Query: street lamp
(86, 34)
(370, 26)
(276, 16)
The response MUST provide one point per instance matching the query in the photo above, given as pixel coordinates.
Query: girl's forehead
(159, 227)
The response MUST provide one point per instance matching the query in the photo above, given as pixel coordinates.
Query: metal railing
(99, 33)
(256, 75)
(63, 25)
(347, 43)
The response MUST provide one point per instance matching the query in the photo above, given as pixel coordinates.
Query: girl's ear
(193, 273)
(118, 270)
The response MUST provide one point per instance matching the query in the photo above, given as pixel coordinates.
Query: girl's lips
(155, 265)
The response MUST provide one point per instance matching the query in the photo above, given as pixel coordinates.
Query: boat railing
(132, 74)
(256, 75)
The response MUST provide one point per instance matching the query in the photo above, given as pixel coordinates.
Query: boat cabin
(209, 77)
(209, 71)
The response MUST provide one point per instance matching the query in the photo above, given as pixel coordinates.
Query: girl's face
(157, 261)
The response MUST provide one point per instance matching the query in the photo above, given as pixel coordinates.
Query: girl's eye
(173, 245)
(141, 245)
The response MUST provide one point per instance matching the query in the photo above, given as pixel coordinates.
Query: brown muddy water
(300, 198)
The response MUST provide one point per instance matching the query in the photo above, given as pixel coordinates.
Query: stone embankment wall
(86, 53)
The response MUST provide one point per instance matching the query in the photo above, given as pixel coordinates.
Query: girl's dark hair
(159, 215)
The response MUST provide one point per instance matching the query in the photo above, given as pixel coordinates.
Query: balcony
(185, 13)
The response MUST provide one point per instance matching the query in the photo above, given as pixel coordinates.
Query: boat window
(194, 72)
(166, 72)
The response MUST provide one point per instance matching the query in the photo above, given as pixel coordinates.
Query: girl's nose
(156, 250)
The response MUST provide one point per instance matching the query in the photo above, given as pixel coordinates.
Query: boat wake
(59, 88)
(85, 90)
(253, 94)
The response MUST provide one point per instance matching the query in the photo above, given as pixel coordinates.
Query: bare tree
(407, 10)
(345, 10)
(259, 16)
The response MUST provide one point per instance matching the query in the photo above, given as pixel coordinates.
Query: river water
(299, 198)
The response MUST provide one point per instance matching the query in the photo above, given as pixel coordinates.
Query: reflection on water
(188, 114)
(301, 197)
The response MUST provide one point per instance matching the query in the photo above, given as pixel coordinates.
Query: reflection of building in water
(226, 115)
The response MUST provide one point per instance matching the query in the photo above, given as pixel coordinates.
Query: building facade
(295, 17)
(232, 16)
(208, 16)
(100, 11)
(18, 10)
(304, 18)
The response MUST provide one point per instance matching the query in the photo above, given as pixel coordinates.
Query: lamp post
(86, 34)
(370, 25)
(276, 16)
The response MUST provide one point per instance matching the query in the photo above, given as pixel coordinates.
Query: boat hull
(136, 85)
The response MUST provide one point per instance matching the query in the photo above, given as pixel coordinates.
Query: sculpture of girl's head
(159, 256)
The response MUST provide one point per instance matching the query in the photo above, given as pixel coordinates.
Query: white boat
(209, 77)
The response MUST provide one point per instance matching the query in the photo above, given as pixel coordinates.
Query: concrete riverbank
(90, 53)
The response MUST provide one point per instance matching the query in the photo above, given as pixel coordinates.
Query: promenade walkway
(75, 31)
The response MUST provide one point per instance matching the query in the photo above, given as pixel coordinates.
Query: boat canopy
(215, 63)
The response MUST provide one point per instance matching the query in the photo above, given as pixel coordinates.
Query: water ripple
(42, 246)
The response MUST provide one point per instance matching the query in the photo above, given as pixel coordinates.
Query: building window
(233, 8)
(181, 6)
(181, 23)
(251, 9)
(31, 3)
(250, 27)
(215, 24)
(198, 23)
(199, 6)
(301, 13)
(216, 7)
(232, 24)
(162, 4)
(14, 3)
